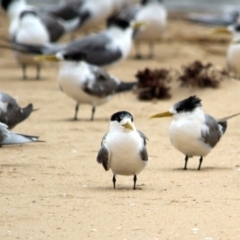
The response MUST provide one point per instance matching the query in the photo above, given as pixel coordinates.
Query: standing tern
(233, 52)
(193, 132)
(86, 83)
(10, 112)
(155, 15)
(9, 138)
(123, 148)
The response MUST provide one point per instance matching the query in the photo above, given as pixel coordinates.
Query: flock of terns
(82, 75)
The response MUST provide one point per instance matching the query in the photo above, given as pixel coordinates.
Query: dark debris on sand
(197, 74)
(152, 84)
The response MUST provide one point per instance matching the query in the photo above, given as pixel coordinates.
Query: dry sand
(56, 190)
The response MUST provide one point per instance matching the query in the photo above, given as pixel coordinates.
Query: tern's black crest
(188, 105)
(28, 12)
(145, 2)
(237, 28)
(119, 116)
(119, 22)
(75, 56)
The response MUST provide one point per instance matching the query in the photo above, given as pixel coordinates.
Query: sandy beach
(57, 190)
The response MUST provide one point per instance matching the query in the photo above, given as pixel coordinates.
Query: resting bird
(193, 132)
(154, 14)
(11, 113)
(123, 148)
(86, 83)
(9, 138)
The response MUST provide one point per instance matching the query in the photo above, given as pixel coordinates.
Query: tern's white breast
(155, 17)
(72, 77)
(125, 152)
(233, 58)
(185, 135)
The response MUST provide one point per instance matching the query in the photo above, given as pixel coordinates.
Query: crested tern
(233, 52)
(103, 49)
(11, 113)
(10, 138)
(123, 148)
(193, 132)
(154, 14)
(86, 83)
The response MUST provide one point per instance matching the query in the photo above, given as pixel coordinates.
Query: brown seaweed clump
(196, 74)
(152, 84)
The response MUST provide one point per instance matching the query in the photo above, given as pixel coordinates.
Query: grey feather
(103, 156)
(143, 152)
(214, 134)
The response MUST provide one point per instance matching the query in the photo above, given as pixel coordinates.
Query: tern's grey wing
(96, 48)
(143, 152)
(103, 85)
(130, 13)
(55, 29)
(4, 133)
(10, 112)
(104, 155)
(211, 133)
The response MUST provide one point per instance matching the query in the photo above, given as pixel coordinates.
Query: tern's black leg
(93, 112)
(134, 182)
(114, 181)
(200, 163)
(76, 111)
(151, 51)
(186, 161)
(38, 71)
(24, 70)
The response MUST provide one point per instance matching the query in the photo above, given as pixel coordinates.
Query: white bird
(123, 148)
(86, 83)
(10, 112)
(9, 138)
(193, 132)
(154, 14)
(29, 26)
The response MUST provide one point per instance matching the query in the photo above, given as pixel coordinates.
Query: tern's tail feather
(26, 112)
(223, 122)
(16, 138)
(125, 86)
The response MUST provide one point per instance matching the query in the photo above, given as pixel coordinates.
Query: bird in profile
(9, 138)
(233, 52)
(123, 148)
(10, 112)
(154, 14)
(103, 49)
(193, 132)
(86, 83)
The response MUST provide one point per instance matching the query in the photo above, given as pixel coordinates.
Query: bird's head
(183, 108)
(122, 121)
(7, 3)
(145, 2)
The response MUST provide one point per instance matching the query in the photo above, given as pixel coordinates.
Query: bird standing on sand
(193, 132)
(10, 112)
(154, 14)
(123, 148)
(9, 138)
(86, 83)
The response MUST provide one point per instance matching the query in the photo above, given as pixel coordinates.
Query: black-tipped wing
(102, 85)
(143, 152)
(96, 48)
(104, 155)
(211, 133)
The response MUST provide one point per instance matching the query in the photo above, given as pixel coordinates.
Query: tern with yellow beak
(123, 148)
(193, 132)
(233, 52)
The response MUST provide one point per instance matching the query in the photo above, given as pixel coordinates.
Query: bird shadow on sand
(81, 120)
(203, 169)
(118, 188)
